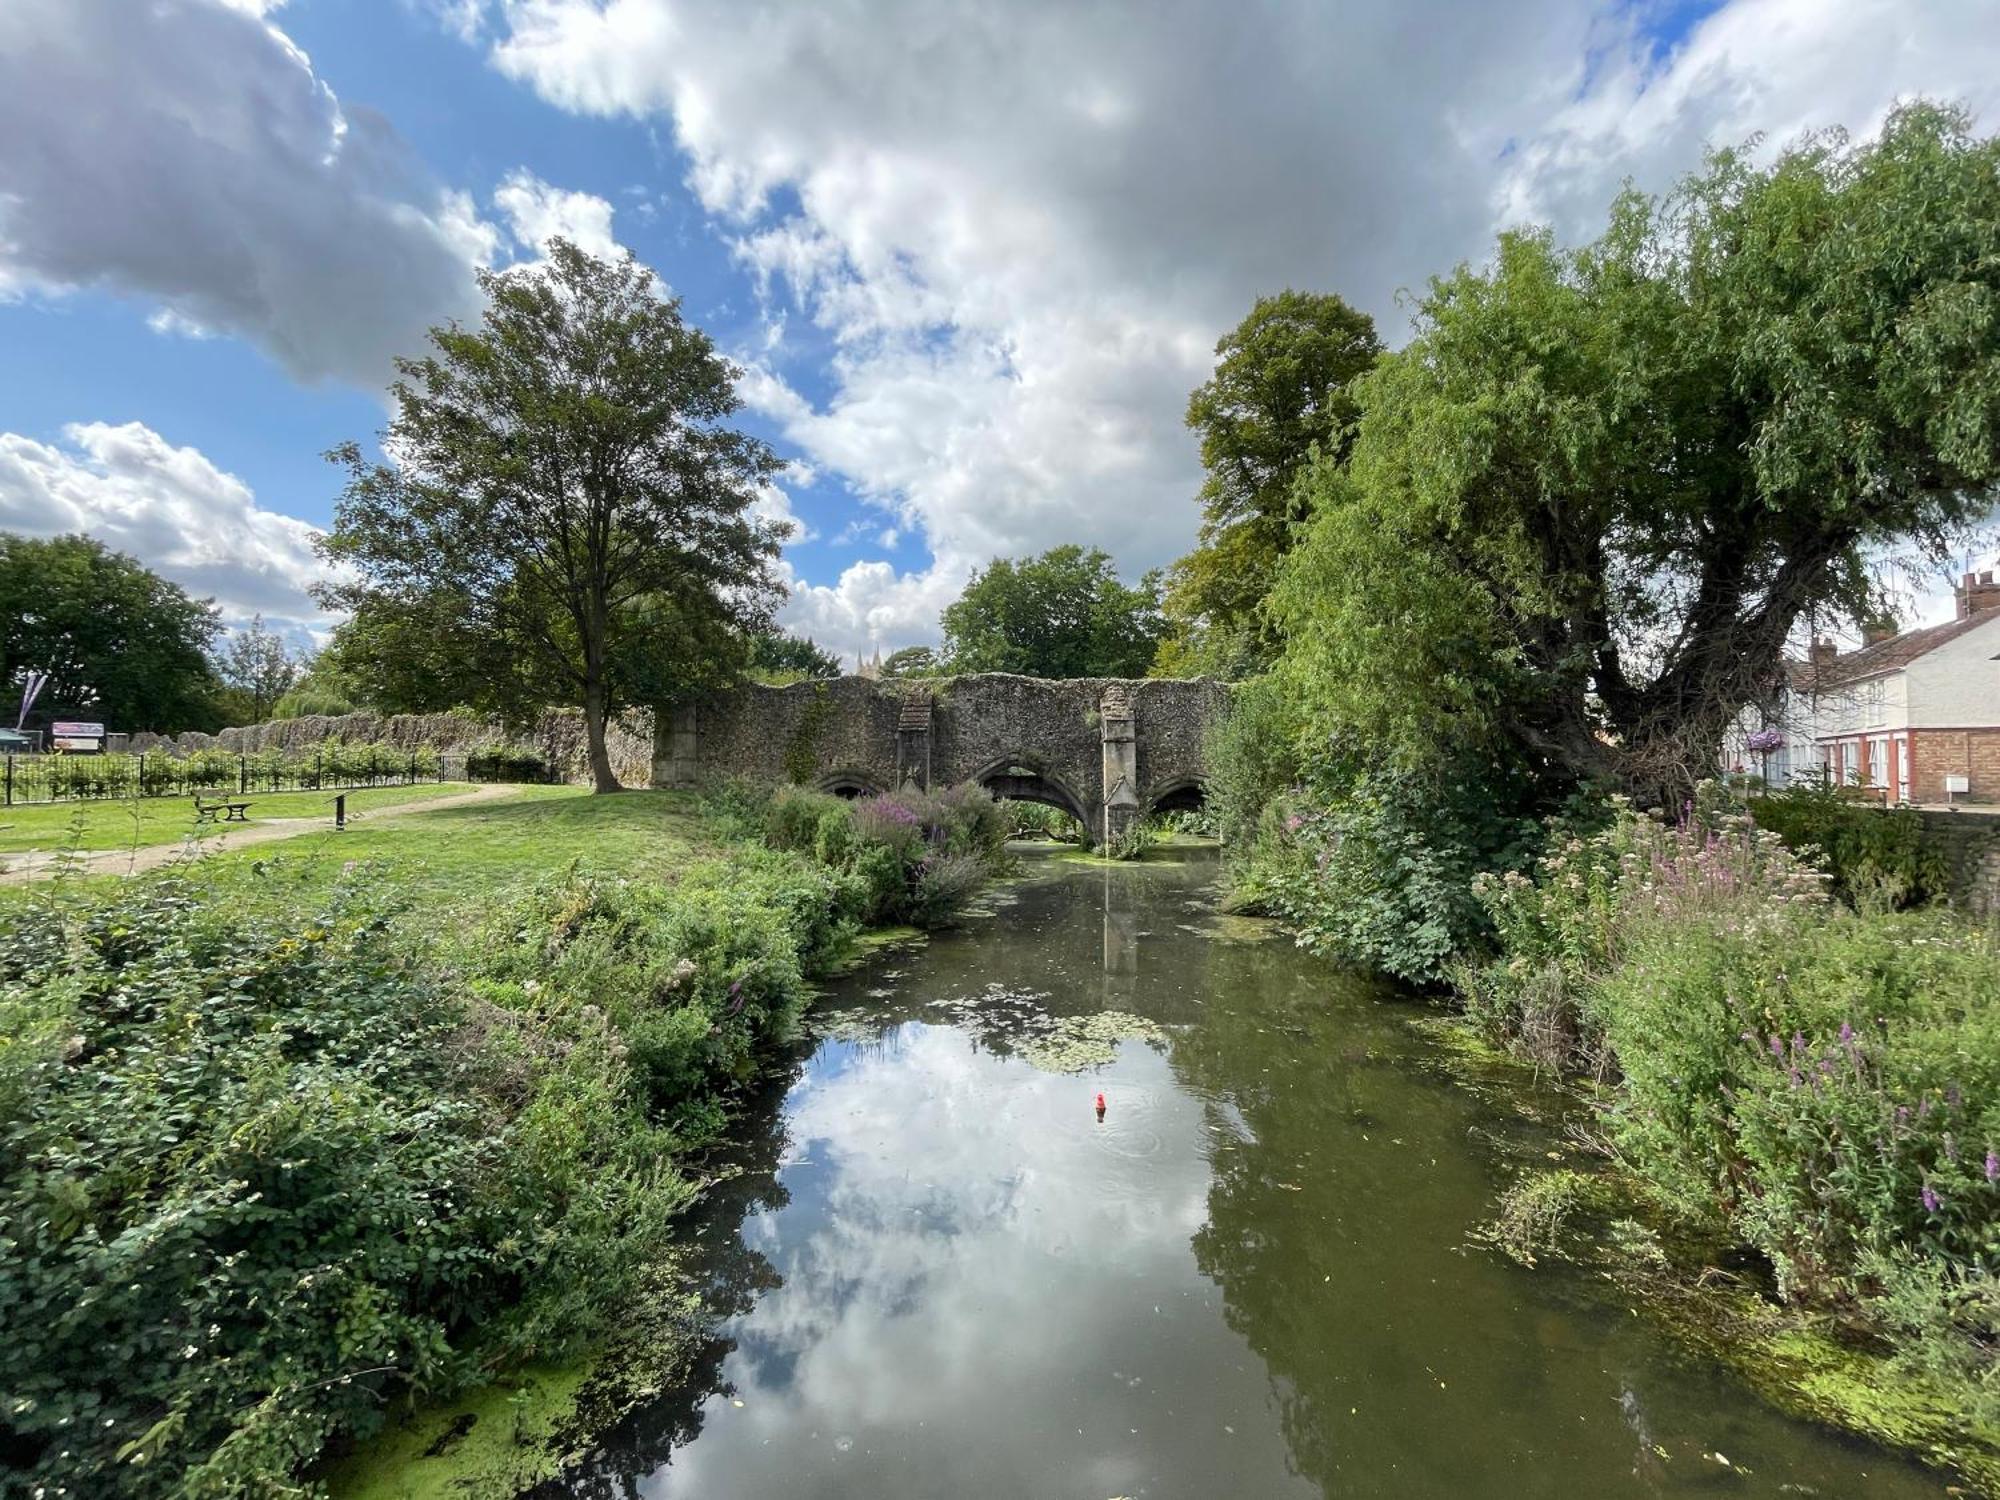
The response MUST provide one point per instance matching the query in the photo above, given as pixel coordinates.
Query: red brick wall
(1936, 753)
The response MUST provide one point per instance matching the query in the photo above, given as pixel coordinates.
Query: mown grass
(142, 822)
(478, 854)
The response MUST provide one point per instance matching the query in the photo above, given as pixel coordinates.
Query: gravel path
(18, 869)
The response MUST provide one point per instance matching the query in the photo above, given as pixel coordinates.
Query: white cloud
(185, 153)
(537, 213)
(1024, 227)
(172, 509)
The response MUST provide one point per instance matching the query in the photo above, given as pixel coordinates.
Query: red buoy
(1100, 1106)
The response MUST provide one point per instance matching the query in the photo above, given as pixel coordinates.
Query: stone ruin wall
(557, 736)
(863, 733)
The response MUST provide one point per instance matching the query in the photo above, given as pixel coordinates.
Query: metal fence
(66, 778)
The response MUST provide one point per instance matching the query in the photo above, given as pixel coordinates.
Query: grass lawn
(135, 822)
(476, 852)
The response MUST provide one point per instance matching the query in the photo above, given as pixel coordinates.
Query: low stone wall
(557, 736)
(1970, 845)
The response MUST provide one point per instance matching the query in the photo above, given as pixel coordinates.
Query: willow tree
(1590, 500)
(566, 476)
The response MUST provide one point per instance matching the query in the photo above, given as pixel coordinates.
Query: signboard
(64, 729)
(76, 742)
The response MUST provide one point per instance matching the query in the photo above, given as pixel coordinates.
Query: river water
(941, 1274)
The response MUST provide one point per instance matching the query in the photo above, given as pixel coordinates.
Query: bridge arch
(1183, 794)
(1024, 778)
(851, 783)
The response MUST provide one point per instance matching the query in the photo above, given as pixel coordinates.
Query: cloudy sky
(971, 256)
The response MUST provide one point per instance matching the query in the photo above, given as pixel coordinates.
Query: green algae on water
(1075, 1044)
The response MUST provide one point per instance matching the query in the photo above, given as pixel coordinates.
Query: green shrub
(507, 763)
(903, 857)
(1877, 856)
(1822, 1084)
(1382, 875)
(260, 1172)
(793, 819)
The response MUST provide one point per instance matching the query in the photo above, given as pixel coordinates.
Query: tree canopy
(778, 654)
(119, 642)
(1062, 614)
(566, 500)
(911, 661)
(1588, 503)
(257, 668)
(1282, 389)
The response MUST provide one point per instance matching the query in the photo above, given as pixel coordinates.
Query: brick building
(1915, 714)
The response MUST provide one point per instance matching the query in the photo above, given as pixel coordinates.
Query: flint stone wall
(852, 733)
(557, 736)
(1969, 843)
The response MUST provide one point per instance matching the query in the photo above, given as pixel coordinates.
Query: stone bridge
(1106, 750)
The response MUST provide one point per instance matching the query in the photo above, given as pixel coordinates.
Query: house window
(1878, 762)
(1872, 704)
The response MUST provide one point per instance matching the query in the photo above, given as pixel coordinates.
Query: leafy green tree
(776, 653)
(1062, 614)
(567, 495)
(418, 655)
(1590, 500)
(1282, 388)
(119, 642)
(911, 661)
(258, 668)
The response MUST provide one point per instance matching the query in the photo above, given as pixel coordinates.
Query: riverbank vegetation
(291, 1143)
(1565, 542)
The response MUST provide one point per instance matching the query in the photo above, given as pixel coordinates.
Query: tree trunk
(602, 778)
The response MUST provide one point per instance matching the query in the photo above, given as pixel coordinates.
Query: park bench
(231, 809)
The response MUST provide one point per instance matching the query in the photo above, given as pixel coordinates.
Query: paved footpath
(18, 869)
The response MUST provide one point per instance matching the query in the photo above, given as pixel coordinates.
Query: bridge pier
(1117, 727)
(913, 741)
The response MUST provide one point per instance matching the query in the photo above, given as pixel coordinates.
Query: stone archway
(1187, 794)
(1021, 778)
(851, 784)
(1104, 750)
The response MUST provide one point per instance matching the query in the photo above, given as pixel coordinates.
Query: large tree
(119, 642)
(258, 667)
(1591, 499)
(1062, 614)
(565, 482)
(1282, 389)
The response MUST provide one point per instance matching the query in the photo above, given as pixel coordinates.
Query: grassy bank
(295, 1138)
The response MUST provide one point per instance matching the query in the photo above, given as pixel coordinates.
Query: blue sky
(972, 258)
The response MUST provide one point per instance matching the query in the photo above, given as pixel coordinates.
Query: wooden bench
(232, 809)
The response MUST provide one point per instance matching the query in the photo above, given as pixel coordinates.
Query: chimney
(1823, 651)
(1977, 594)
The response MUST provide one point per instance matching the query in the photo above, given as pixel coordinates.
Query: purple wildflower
(1846, 1033)
(1992, 1165)
(1777, 1046)
(1932, 1203)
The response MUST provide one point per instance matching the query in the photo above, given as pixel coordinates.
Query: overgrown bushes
(506, 763)
(268, 1169)
(1877, 856)
(1819, 1083)
(262, 1172)
(917, 857)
